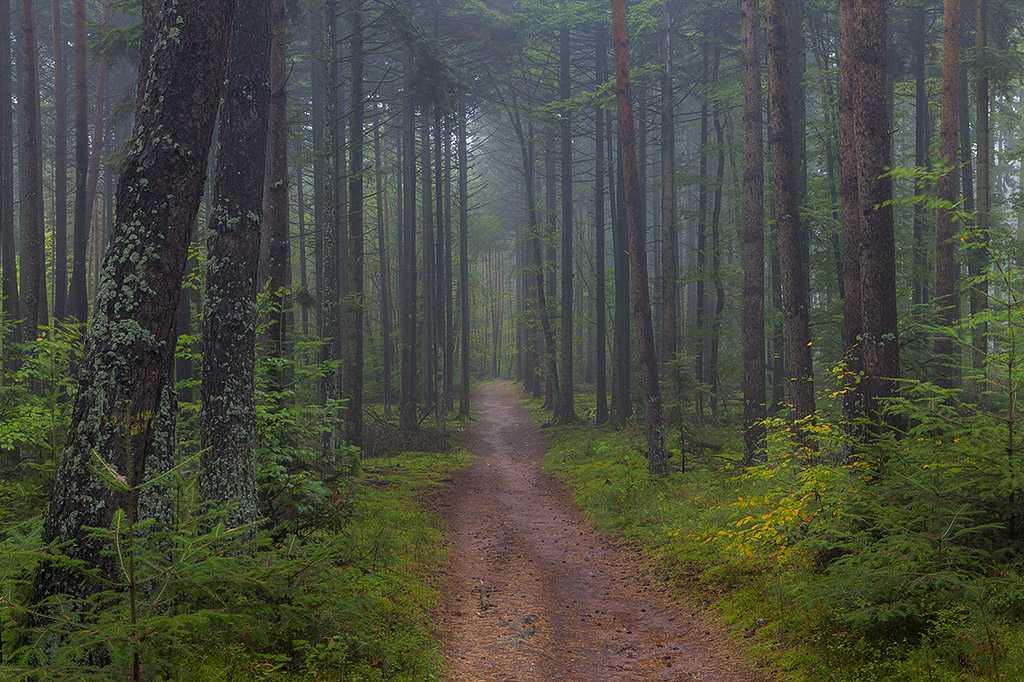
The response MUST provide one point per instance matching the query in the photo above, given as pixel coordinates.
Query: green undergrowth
(823, 571)
(346, 595)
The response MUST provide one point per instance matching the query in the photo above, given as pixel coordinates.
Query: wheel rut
(534, 594)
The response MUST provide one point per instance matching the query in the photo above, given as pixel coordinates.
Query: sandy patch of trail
(534, 594)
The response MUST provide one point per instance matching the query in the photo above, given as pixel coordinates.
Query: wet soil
(534, 594)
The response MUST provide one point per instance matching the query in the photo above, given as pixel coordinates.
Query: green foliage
(350, 603)
(897, 566)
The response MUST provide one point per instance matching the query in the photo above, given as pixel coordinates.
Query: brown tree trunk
(464, 264)
(669, 261)
(978, 259)
(386, 306)
(922, 158)
(702, 230)
(787, 217)
(97, 142)
(354, 299)
(33, 239)
(849, 196)
(228, 418)
(8, 253)
(600, 249)
(657, 456)
(567, 391)
(947, 190)
(274, 237)
(753, 238)
(130, 343)
(78, 299)
(407, 262)
(879, 330)
(60, 171)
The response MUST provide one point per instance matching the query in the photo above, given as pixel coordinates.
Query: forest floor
(534, 594)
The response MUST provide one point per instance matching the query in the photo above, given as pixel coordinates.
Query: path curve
(534, 594)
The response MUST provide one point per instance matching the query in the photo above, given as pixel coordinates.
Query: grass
(350, 600)
(741, 543)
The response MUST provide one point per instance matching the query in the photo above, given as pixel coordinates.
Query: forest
(281, 278)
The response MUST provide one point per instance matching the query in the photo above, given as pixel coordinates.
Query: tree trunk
(567, 390)
(77, 297)
(440, 330)
(600, 249)
(33, 239)
(464, 263)
(60, 171)
(947, 189)
(657, 456)
(274, 237)
(407, 261)
(922, 158)
(702, 224)
(787, 217)
(753, 238)
(716, 256)
(669, 261)
(621, 379)
(8, 252)
(81, 299)
(849, 196)
(387, 345)
(978, 260)
(331, 236)
(354, 300)
(130, 343)
(228, 417)
(879, 329)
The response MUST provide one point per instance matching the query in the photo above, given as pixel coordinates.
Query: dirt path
(536, 595)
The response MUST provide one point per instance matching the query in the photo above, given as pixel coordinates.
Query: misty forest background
(763, 284)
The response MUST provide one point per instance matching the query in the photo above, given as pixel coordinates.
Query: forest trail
(534, 594)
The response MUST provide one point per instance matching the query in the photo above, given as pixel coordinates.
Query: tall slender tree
(657, 456)
(78, 299)
(275, 249)
(60, 170)
(228, 416)
(354, 303)
(753, 237)
(567, 391)
(796, 313)
(945, 280)
(33, 239)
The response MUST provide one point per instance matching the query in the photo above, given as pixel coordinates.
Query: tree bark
(228, 416)
(8, 252)
(600, 248)
(407, 261)
(60, 171)
(947, 189)
(131, 342)
(387, 344)
(354, 299)
(753, 238)
(274, 235)
(669, 238)
(787, 218)
(464, 263)
(33, 239)
(77, 297)
(657, 456)
(978, 258)
(879, 328)
(567, 390)
(849, 196)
